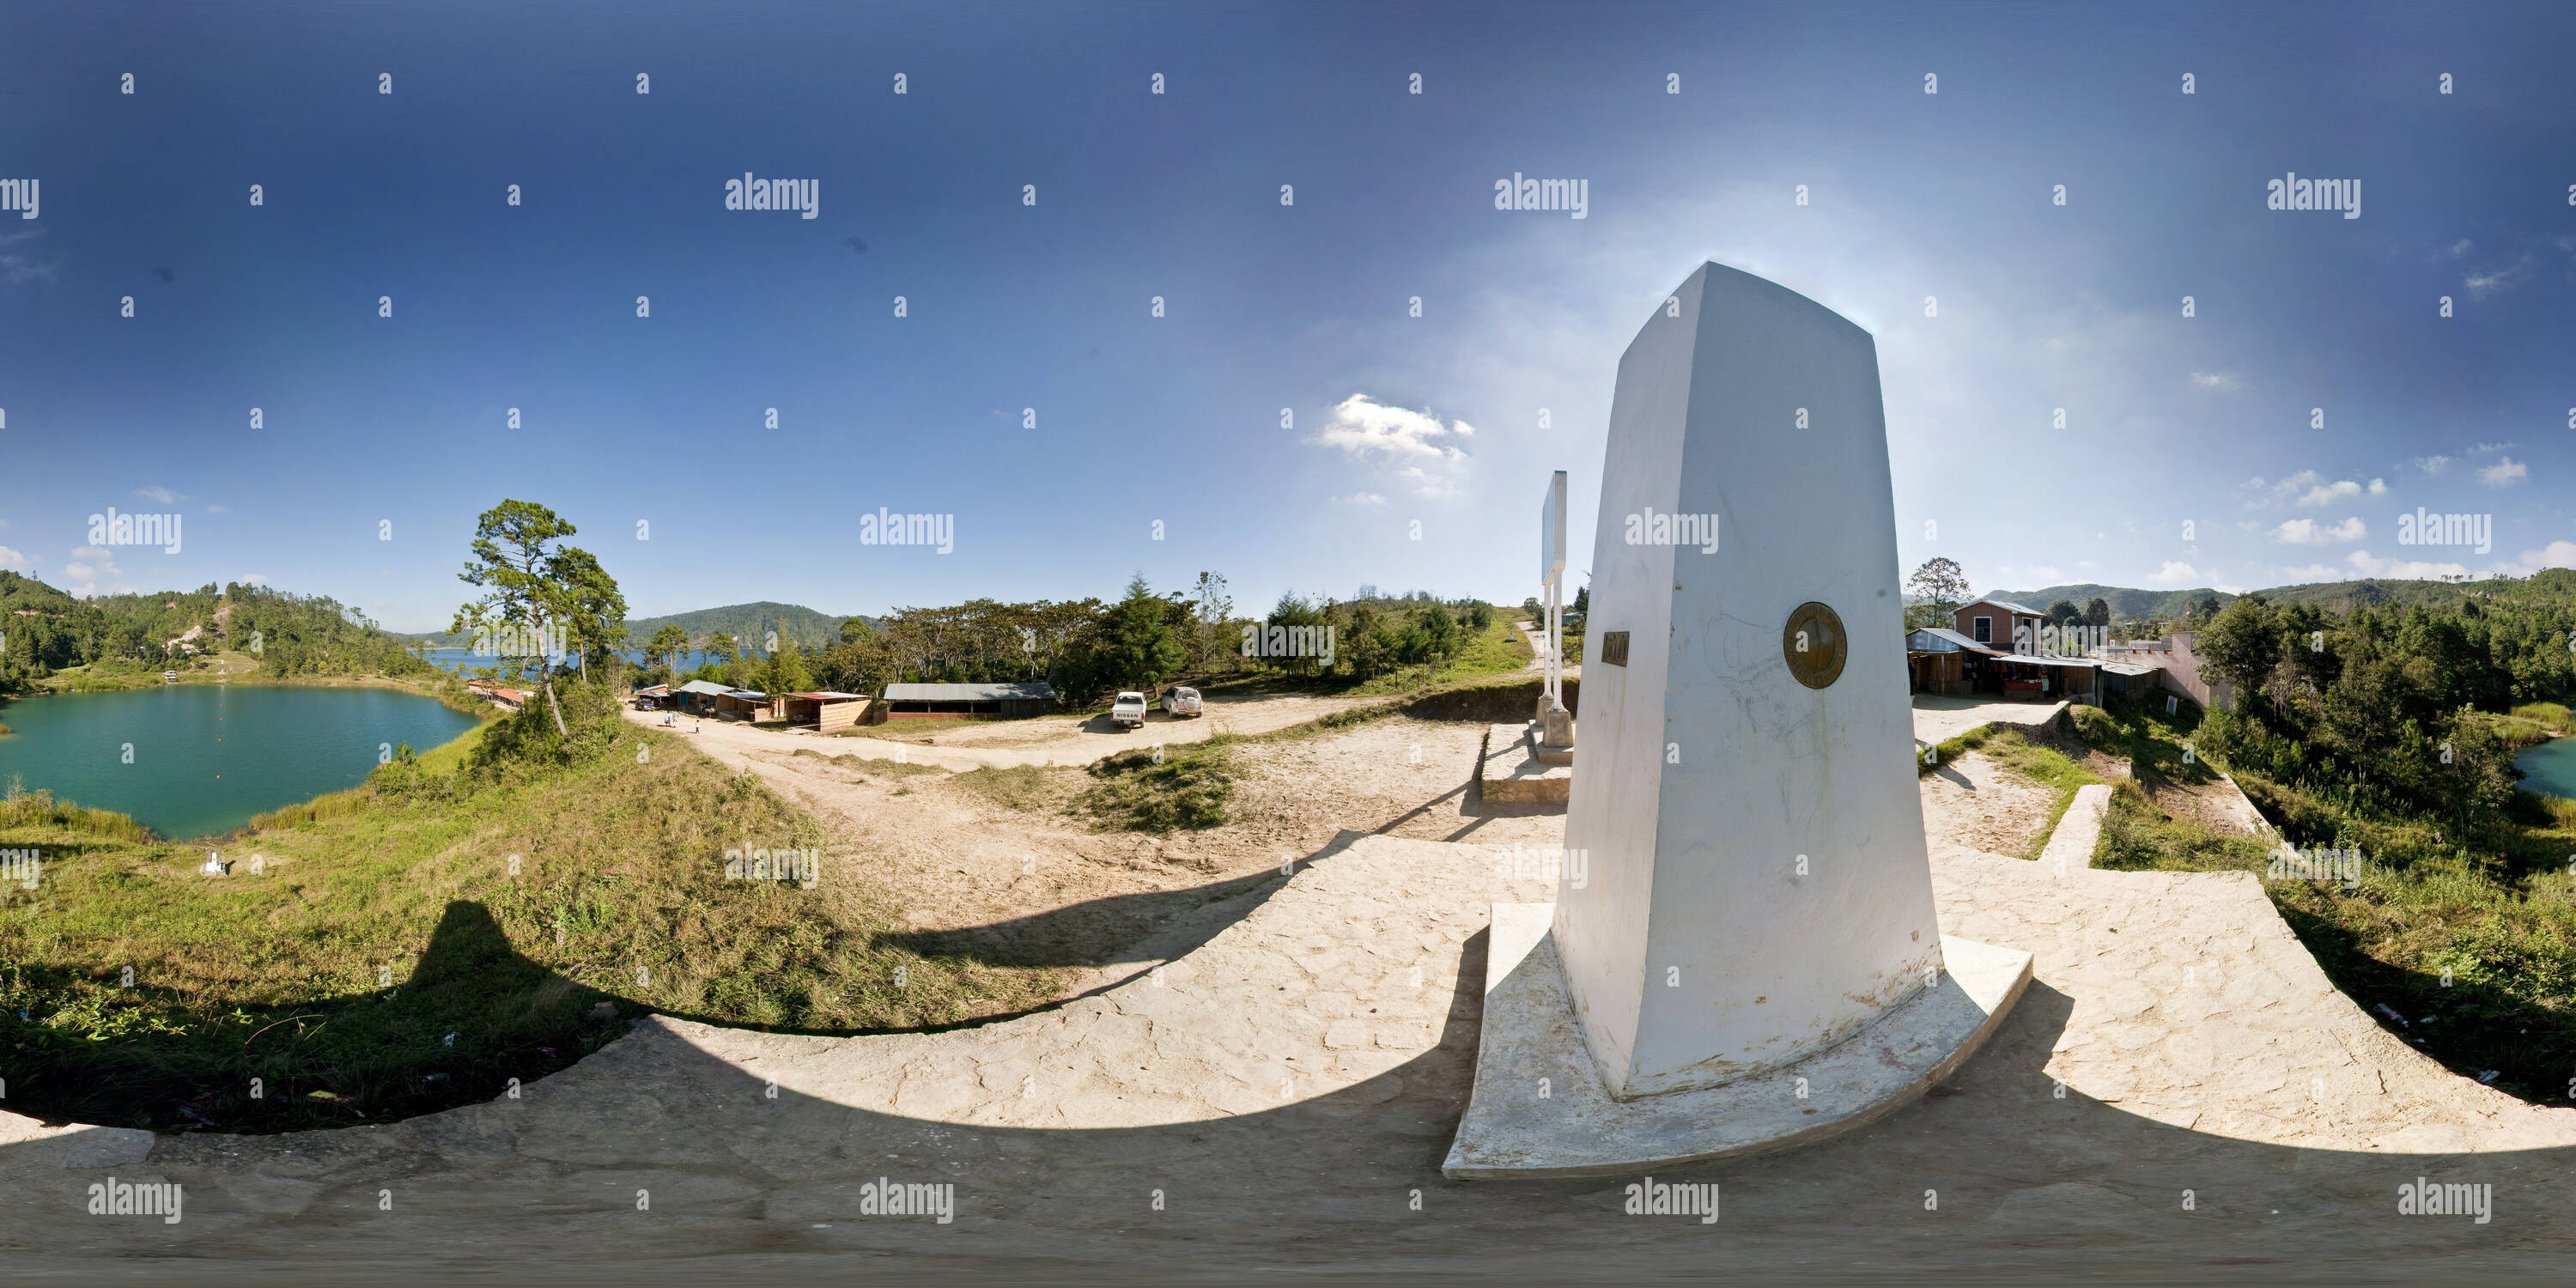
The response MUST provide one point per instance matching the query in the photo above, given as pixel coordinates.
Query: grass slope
(469, 894)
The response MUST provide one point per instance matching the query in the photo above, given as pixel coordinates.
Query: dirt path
(958, 859)
(1973, 805)
(1054, 740)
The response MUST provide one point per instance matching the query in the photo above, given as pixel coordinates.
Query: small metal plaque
(1813, 644)
(1614, 647)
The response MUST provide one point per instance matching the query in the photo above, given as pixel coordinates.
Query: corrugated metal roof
(970, 692)
(1953, 637)
(2036, 660)
(826, 695)
(2023, 609)
(2129, 668)
(703, 686)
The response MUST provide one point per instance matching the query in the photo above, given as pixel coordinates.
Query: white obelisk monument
(1757, 893)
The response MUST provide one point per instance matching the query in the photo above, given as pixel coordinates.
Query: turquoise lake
(2550, 767)
(206, 757)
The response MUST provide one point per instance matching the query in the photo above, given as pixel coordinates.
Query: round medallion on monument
(1813, 644)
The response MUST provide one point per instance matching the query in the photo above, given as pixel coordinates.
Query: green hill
(749, 624)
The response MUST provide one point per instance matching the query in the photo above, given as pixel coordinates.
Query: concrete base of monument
(1512, 768)
(1512, 1131)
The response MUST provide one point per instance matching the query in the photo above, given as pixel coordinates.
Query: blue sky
(397, 425)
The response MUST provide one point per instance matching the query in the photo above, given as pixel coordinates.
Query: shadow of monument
(376, 1056)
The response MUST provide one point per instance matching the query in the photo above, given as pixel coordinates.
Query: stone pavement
(1282, 1098)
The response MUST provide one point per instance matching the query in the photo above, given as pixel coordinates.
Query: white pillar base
(1530, 1033)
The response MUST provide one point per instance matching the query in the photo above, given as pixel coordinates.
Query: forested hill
(748, 624)
(2131, 604)
(49, 631)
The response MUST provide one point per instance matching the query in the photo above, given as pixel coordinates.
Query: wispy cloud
(2369, 565)
(2214, 379)
(161, 494)
(2174, 573)
(1360, 498)
(2431, 464)
(219, 509)
(11, 559)
(2504, 473)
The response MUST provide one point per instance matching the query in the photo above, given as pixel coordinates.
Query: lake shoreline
(298, 739)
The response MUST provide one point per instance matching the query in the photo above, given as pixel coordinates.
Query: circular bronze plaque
(1813, 644)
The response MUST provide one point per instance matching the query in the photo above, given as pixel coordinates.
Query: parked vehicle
(1181, 700)
(1128, 711)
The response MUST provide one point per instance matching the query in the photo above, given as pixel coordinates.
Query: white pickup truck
(1182, 700)
(1128, 711)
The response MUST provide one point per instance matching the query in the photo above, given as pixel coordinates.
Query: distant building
(823, 709)
(1998, 623)
(972, 701)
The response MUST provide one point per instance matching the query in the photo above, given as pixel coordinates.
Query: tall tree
(539, 595)
(1140, 643)
(667, 647)
(1935, 591)
(2097, 611)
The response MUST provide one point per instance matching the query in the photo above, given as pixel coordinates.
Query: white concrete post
(1758, 885)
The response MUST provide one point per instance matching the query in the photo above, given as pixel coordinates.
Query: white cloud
(2481, 449)
(2046, 575)
(1366, 430)
(161, 494)
(19, 268)
(2085, 564)
(11, 559)
(252, 580)
(89, 564)
(219, 509)
(2559, 554)
(2174, 573)
(2432, 464)
(2459, 248)
(2504, 473)
(1362, 428)
(2309, 532)
(2313, 572)
(1360, 498)
(2378, 487)
(2362, 562)
(2213, 379)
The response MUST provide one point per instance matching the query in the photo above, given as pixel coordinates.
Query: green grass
(2472, 940)
(2045, 766)
(1018, 787)
(1496, 649)
(1185, 785)
(391, 917)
